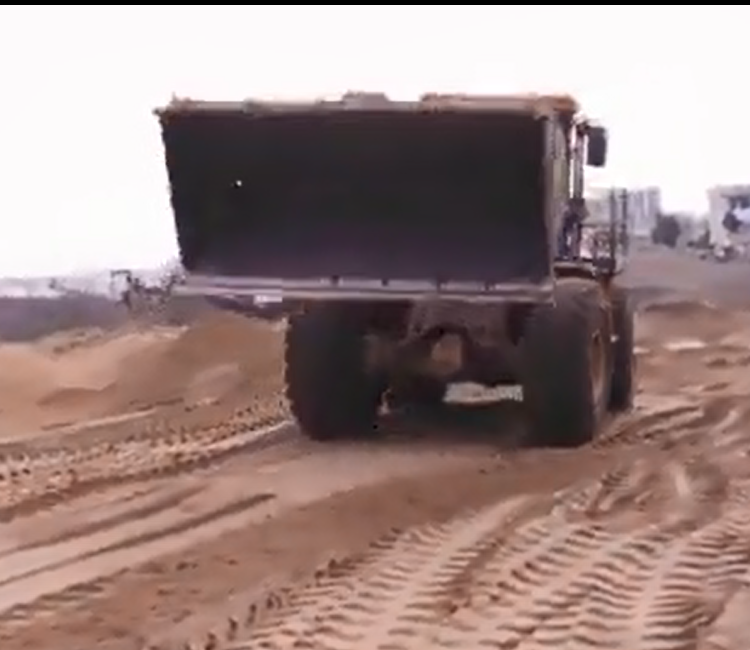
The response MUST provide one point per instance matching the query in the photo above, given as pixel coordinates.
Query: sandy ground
(71, 378)
(154, 495)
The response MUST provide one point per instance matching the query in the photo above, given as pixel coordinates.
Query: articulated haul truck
(417, 244)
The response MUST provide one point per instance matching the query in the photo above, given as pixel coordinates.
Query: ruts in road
(225, 529)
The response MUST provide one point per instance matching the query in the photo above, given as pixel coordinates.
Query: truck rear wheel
(566, 366)
(623, 354)
(330, 391)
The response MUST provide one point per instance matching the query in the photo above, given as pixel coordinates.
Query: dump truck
(415, 245)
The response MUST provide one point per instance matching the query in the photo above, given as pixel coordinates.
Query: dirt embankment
(88, 375)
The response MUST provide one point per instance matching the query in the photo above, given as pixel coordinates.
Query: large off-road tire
(566, 366)
(330, 392)
(416, 392)
(622, 390)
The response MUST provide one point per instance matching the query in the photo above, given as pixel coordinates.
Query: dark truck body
(367, 198)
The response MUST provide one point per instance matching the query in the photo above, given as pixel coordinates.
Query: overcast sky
(82, 182)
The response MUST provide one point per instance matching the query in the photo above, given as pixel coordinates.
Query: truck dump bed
(355, 198)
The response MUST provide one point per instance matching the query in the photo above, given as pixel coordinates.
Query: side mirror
(596, 146)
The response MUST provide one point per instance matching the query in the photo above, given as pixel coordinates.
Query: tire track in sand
(591, 571)
(631, 590)
(31, 484)
(111, 519)
(81, 564)
(80, 561)
(394, 583)
(39, 576)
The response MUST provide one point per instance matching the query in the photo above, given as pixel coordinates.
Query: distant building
(644, 205)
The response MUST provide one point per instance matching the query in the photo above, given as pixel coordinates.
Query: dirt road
(200, 519)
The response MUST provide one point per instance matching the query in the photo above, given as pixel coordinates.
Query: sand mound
(37, 390)
(690, 319)
(219, 354)
(680, 308)
(25, 374)
(68, 397)
(52, 381)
